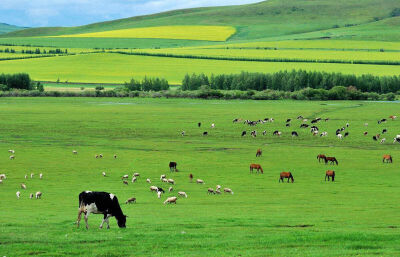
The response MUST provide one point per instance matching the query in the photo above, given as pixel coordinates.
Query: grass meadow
(354, 216)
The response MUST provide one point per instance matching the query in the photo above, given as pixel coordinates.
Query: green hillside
(6, 28)
(267, 19)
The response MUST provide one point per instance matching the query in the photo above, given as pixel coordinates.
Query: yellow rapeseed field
(208, 33)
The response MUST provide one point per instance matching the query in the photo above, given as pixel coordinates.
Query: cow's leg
(108, 221)
(79, 217)
(104, 220)
(86, 219)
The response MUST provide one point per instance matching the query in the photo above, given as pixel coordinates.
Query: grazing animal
(387, 158)
(365, 133)
(383, 140)
(264, 132)
(244, 133)
(205, 133)
(40, 175)
(103, 173)
(96, 156)
(212, 125)
(38, 195)
(171, 181)
(18, 193)
(153, 188)
(393, 117)
(199, 124)
(330, 174)
(191, 177)
(148, 181)
(199, 181)
(294, 134)
(254, 133)
(125, 182)
(218, 191)
(228, 190)
(378, 135)
(75, 152)
(125, 176)
(287, 124)
(339, 136)
(32, 175)
(134, 179)
(159, 189)
(162, 176)
(287, 175)
(23, 186)
(218, 187)
(115, 156)
(346, 134)
(3, 176)
(259, 153)
(164, 180)
(320, 156)
(26, 176)
(183, 194)
(100, 203)
(366, 124)
(136, 174)
(324, 134)
(31, 196)
(131, 200)
(375, 138)
(159, 193)
(210, 191)
(101, 155)
(304, 126)
(384, 131)
(277, 133)
(183, 133)
(332, 160)
(170, 189)
(396, 139)
(300, 117)
(256, 166)
(170, 200)
(172, 166)
(12, 157)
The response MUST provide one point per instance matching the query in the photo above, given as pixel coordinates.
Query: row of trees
(147, 84)
(292, 81)
(18, 81)
(36, 51)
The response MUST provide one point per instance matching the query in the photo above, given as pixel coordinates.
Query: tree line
(147, 84)
(18, 81)
(292, 81)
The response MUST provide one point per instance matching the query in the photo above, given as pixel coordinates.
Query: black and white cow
(100, 203)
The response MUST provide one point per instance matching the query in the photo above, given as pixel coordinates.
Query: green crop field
(353, 216)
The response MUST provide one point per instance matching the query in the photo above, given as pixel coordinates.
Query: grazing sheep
(96, 156)
(101, 155)
(3, 176)
(103, 173)
(131, 200)
(32, 175)
(383, 140)
(74, 152)
(125, 176)
(170, 200)
(218, 191)
(136, 174)
(115, 156)
(213, 125)
(365, 133)
(18, 193)
(218, 187)
(164, 180)
(41, 175)
(339, 136)
(1, 181)
(366, 124)
(23, 186)
(12, 157)
(171, 189)
(183, 194)
(38, 195)
(199, 181)
(31, 196)
(148, 181)
(26, 176)
(183, 133)
(210, 191)
(11, 151)
(171, 181)
(163, 176)
(125, 182)
(159, 193)
(134, 179)
(153, 188)
(228, 190)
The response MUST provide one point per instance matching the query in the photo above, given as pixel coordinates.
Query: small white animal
(170, 189)
(148, 181)
(23, 186)
(18, 193)
(182, 194)
(12, 157)
(32, 175)
(11, 151)
(104, 174)
(31, 196)
(38, 195)
(133, 179)
(159, 194)
(3, 176)
(41, 175)
(74, 152)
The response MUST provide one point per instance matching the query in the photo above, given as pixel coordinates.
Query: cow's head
(122, 221)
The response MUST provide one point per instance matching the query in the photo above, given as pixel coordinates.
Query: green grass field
(354, 216)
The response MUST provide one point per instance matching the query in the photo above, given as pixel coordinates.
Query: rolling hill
(261, 21)
(6, 28)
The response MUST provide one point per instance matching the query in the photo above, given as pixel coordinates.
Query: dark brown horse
(172, 166)
(332, 160)
(256, 166)
(259, 153)
(387, 158)
(321, 156)
(330, 174)
(287, 175)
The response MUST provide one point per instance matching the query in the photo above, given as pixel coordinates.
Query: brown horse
(330, 174)
(332, 160)
(321, 156)
(259, 153)
(387, 158)
(287, 175)
(256, 166)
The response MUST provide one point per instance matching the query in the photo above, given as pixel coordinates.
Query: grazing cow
(387, 158)
(12, 157)
(332, 160)
(324, 134)
(136, 174)
(257, 167)
(170, 200)
(199, 124)
(170, 189)
(346, 134)
(393, 117)
(287, 124)
(164, 180)
(287, 175)
(205, 133)
(378, 136)
(153, 188)
(383, 140)
(210, 191)
(254, 133)
(131, 200)
(259, 153)
(125, 182)
(330, 174)
(347, 125)
(38, 195)
(183, 194)
(375, 138)
(277, 133)
(103, 173)
(172, 166)
(18, 193)
(228, 190)
(3, 176)
(304, 126)
(366, 124)
(40, 175)
(100, 203)
(288, 120)
(159, 189)
(300, 117)
(26, 176)
(31, 196)
(191, 177)
(244, 133)
(384, 131)
(264, 132)
(199, 181)
(101, 155)
(75, 152)
(148, 181)
(315, 132)
(365, 133)
(125, 176)
(96, 156)
(396, 139)
(294, 134)
(23, 186)
(134, 179)
(235, 120)
(183, 133)
(218, 191)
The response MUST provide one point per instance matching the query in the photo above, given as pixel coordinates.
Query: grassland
(207, 33)
(353, 216)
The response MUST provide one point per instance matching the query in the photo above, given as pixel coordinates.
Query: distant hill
(6, 28)
(264, 20)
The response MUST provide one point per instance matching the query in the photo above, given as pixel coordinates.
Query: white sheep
(103, 173)
(148, 181)
(213, 125)
(162, 176)
(171, 181)
(74, 152)
(170, 200)
(31, 196)
(23, 186)
(199, 181)
(153, 188)
(3, 176)
(41, 175)
(38, 195)
(32, 175)
(183, 194)
(11, 151)
(340, 136)
(133, 179)
(12, 157)
(136, 174)
(170, 189)
(18, 193)
(228, 190)
(26, 176)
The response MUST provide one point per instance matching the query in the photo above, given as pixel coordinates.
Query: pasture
(355, 215)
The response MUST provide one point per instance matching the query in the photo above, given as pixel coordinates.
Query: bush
(99, 88)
